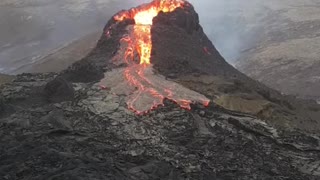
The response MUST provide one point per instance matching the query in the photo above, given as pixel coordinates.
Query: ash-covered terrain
(286, 57)
(66, 126)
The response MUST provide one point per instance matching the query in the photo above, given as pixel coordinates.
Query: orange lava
(140, 41)
(143, 17)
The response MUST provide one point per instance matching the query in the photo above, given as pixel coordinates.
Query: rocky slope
(62, 57)
(65, 126)
(287, 56)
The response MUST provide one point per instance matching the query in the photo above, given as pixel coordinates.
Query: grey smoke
(232, 25)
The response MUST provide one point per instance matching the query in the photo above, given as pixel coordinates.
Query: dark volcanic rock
(59, 90)
(180, 45)
(92, 67)
(95, 136)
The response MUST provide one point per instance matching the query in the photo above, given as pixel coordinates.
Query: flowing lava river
(144, 89)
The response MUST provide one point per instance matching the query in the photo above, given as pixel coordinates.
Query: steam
(233, 26)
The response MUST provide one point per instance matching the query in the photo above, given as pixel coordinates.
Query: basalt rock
(59, 90)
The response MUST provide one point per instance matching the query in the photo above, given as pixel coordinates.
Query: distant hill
(287, 57)
(62, 57)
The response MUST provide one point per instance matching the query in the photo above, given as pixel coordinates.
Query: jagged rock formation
(65, 126)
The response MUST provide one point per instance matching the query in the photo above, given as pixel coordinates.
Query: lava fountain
(144, 89)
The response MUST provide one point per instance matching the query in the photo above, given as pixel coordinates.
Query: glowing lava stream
(143, 17)
(149, 89)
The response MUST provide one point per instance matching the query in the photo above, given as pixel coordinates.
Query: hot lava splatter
(150, 89)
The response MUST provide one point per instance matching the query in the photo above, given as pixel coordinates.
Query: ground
(95, 136)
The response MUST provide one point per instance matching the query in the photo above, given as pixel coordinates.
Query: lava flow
(143, 17)
(149, 89)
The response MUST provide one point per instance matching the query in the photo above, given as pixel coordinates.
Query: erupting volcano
(146, 90)
(81, 123)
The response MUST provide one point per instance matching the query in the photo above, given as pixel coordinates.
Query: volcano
(148, 89)
(154, 100)
(159, 51)
(144, 80)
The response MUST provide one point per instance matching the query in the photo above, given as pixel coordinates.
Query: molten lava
(143, 17)
(150, 89)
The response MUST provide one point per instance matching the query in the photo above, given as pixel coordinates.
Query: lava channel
(144, 89)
